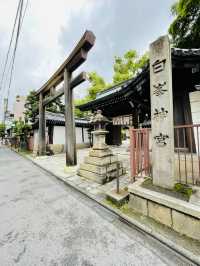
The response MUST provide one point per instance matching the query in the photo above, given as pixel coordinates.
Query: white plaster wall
(86, 139)
(195, 106)
(79, 135)
(195, 110)
(59, 135)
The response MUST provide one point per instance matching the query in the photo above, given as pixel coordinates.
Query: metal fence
(186, 155)
(140, 152)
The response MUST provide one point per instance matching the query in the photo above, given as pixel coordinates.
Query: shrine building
(128, 103)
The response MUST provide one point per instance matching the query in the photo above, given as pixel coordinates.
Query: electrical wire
(13, 56)
(10, 43)
(19, 18)
(15, 47)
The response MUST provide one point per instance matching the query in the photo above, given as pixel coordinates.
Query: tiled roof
(59, 119)
(116, 90)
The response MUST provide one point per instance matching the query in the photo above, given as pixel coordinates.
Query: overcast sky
(52, 28)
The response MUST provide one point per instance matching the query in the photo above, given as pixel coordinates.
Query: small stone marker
(162, 113)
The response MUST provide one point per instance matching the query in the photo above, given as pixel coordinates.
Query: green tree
(124, 68)
(185, 29)
(20, 128)
(77, 112)
(32, 104)
(128, 66)
(31, 107)
(2, 130)
(21, 131)
(97, 84)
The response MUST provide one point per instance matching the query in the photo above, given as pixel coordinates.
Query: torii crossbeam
(64, 72)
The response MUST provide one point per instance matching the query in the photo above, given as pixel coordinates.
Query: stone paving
(56, 165)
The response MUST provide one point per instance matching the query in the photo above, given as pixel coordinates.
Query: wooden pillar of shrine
(42, 127)
(70, 136)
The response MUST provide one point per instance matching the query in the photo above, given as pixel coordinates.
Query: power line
(13, 56)
(20, 22)
(15, 47)
(19, 18)
(11, 40)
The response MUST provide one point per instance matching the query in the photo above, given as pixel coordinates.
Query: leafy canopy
(128, 66)
(32, 103)
(20, 128)
(2, 130)
(97, 84)
(124, 68)
(185, 29)
(31, 106)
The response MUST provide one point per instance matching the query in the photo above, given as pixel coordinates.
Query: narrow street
(43, 222)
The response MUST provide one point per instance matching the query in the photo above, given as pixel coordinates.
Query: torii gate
(64, 72)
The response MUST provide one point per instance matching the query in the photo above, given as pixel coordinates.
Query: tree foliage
(20, 128)
(32, 104)
(2, 130)
(185, 29)
(124, 67)
(97, 84)
(31, 107)
(128, 66)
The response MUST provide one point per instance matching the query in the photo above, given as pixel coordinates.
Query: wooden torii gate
(64, 73)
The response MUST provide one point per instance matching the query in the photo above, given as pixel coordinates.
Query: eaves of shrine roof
(118, 90)
(121, 90)
(58, 119)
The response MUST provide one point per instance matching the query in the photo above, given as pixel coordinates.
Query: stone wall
(183, 218)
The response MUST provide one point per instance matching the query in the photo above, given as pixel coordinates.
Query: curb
(124, 218)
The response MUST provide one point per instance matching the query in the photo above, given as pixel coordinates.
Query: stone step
(101, 179)
(102, 170)
(100, 153)
(101, 161)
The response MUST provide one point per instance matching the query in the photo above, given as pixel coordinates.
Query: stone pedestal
(100, 165)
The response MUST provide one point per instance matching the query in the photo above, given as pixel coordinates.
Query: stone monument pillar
(100, 165)
(162, 113)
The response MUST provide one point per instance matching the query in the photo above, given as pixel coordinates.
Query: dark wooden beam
(75, 82)
(57, 94)
(78, 79)
(75, 59)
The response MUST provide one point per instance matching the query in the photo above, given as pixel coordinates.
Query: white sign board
(124, 120)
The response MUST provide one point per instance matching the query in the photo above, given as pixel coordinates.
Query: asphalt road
(43, 222)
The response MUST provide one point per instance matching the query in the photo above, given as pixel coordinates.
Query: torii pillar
(64, 73)
(42, 127)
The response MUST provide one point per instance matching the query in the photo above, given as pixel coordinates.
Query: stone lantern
(101, 165)
(99, 121)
